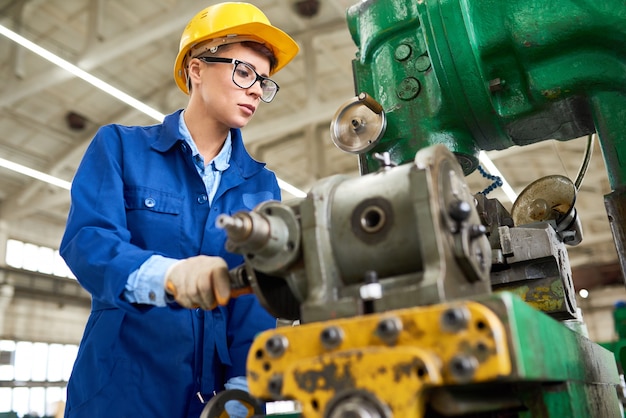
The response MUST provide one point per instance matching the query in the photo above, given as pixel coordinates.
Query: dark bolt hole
(371, 218)
(315, 404)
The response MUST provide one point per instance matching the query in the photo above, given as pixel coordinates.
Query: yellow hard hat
(232, 22)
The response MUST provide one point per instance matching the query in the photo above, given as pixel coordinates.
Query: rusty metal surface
(467, 357)
(534, 265)
(615, 204)
(412, 349)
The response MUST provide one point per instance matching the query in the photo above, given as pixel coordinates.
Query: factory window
(27, 256)
(33, 377)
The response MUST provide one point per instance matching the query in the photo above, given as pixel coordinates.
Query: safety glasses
(244, 76)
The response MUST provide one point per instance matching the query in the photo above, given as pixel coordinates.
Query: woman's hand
(199, 282)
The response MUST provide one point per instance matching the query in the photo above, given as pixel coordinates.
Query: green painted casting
(579, 376)
(491, 74)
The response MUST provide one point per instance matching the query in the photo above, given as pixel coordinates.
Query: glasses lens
(270, 88)
(244, 76)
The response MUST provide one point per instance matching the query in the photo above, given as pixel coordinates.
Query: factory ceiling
(48, 116)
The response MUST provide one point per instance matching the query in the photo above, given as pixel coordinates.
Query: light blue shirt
(211, 173)
(145, 285)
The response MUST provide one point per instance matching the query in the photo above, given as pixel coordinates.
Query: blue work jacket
(137, 193)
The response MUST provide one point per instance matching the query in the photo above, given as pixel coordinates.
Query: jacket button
(202, 199)
(152, 296)
(149, 202)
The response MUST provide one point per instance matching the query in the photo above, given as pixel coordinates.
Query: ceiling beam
(163, 26)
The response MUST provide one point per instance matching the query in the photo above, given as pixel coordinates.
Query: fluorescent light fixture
(493, 170)
(291, 189)
(101, 85)
(82, 74)
(18, 168)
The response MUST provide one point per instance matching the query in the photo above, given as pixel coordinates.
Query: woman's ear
(193, 72)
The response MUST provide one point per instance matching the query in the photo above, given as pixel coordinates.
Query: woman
(142, 221)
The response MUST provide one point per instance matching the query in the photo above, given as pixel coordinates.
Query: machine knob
(358, 125)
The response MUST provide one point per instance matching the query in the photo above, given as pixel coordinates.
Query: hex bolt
(371, 289)
(422, 63)
(331, 337)
(276, 345)
(477, 231)
(481, 259)
(459, 210)
(462, 367)
(403, 51)
(408, 89)
(455, 319)
(388, 330)
(370, 276)
(275, 385)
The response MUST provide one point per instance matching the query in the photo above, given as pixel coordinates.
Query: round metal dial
(356, 128)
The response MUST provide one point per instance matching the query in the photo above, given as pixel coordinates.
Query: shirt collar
(221, 160)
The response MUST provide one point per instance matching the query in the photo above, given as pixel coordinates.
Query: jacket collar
(240, 160)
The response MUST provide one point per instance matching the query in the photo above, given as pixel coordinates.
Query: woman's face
(222, 99)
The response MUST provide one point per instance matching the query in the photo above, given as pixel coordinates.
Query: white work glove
(199, 282)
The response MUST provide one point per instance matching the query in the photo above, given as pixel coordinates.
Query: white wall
(597, 311)
(42, 321)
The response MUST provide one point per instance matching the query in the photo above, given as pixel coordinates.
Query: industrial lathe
(415, 296)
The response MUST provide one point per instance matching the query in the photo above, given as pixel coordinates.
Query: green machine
(618, 345)
(416, 297)
(486, 75)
